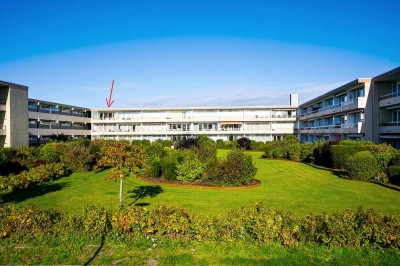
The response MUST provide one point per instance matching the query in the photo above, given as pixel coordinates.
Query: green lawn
(285, 185)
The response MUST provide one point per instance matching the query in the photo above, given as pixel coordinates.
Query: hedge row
(37, 175)
(257, 223)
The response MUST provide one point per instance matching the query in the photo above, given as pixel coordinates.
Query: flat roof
(352, 84)
(283, 107)
(387, 76)
(59, 104)
(9, 84)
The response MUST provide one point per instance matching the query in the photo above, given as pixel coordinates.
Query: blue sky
(194, 53)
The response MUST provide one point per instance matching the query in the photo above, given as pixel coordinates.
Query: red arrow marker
(108, 101)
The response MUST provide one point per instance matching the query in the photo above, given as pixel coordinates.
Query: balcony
(389, 127)
(358, 103)
(389, 100)
(2, 130)
(353, 128)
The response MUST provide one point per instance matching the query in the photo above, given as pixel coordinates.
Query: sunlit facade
(263, 123)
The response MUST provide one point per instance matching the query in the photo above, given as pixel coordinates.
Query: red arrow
(108, 101)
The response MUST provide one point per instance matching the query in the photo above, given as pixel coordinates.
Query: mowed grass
(285, 185)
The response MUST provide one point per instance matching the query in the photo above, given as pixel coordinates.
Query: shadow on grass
(32, 192)
(141, 192)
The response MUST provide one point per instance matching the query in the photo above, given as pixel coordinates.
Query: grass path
(286, 185)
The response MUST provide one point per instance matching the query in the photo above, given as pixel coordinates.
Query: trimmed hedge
(341, 153)
(363, 165)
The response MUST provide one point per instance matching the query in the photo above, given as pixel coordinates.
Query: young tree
(123, 159)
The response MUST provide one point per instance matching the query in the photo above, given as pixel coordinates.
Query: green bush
(206, 149)
(78, 159)
(52, 152)
(230, 144)
(168, 165)
(394, 174)
(307, 152)
(237, 170)
(257, 146)
(396, 159)
(363, 165)
(322, 153)
(288, 148)
(342, 152)
(38, 175)
(190, 169)
(155, 169)
(220, 144)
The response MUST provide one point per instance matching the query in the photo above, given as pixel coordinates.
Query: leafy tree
(123, 159)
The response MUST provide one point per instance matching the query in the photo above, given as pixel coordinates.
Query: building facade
(386, 115)
(49, 119)
(13, 115)
(343, 113)
(364, 109)
(263, 123)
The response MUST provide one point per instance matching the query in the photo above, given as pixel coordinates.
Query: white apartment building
(343, 113)
(364, 109)
(260, 123)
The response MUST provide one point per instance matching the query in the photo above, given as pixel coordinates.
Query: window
(395, 115)
(396, 88)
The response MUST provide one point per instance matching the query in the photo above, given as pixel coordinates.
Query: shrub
(168, 165)
(363, 165)
(342, 152)
(190, 169)
(52, 152)
(155, 151)
(394, 174)
(79, 159)
(38, 175)
(307, 152)
(206, 149)
(237, 170)
(396, 159)
(257, 145)
(244, 143)
(322, 153)
(230, 144)
(220, 144)
(384, 159)
(155, 169)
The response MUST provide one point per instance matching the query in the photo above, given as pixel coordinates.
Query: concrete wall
(17, 118)
(368, 125)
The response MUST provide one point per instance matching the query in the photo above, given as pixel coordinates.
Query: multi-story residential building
(343, 113)
(261, 123)
(386, 115)
(47, 119)
(364, 109)
(13, 115)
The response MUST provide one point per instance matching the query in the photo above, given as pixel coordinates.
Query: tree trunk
(120, 192)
